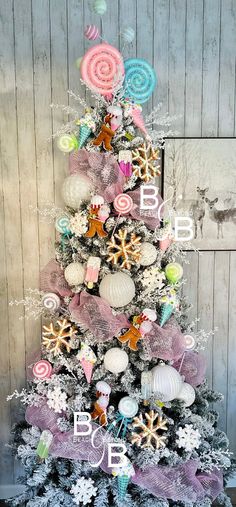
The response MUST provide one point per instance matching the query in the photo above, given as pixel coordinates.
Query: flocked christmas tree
(115, 342)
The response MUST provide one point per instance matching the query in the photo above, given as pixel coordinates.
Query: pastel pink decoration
(151, 217)
(123, 204)
(102, 169)
(116, 117)
(96, 315)
(138, 118)
(193, 367)
(91, 32)
(100, 67)
(42, 370)
(92, 270)
(190, 342)
(103, 213)
(165, 342)
(165, 243)
(145, 327)
(181, 483)
(52, 279)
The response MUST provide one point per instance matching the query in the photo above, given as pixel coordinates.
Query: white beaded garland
(187, 394)
(74, 273)
(116, 360)
(51, 301)
(148, 254)
(75, 189)
(167, 381)
(117, 289)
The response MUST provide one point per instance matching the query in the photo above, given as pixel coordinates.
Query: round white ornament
(74, 273)
(75, 189)
(190, 342)
(148, 254)
(187, 394)
(117, 289)
(116, 360)
(51, 301)
(128, 407)
(167, 381)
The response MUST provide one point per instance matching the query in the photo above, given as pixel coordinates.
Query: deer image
(220, 216)
(197, 208)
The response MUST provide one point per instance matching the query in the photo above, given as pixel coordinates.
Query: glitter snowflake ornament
(79, 224)
(148, 435)
(83, 491)
(57, 336)
(152, 279)
(57, 400)
(123, 252)
(144, 162)
(189, 438)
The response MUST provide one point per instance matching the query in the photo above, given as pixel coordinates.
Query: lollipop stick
(182, 360)
(116, 224)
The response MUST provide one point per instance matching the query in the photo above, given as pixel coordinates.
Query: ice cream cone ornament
(169, 305)
(100, 406)
(98, 214)
(123, 472)
(135, 111)
(142, 324)
(87, 359)
(87, 125)
(125, 162)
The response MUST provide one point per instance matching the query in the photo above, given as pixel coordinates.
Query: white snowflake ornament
(79, 224)
(152, 279)
(83, 491)
(57, 400)
(189, 438)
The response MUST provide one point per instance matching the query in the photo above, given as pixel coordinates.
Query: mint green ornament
(45, 441)
(166, 312)
(173, 272)
(100, 7)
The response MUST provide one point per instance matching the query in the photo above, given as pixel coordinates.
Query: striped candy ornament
(91, 32)
(42, 369)
(100, 7)
(123, 203)
(63, 224)
(51, 301)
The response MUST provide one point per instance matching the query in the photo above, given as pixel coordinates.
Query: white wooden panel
(206, 303)
(190, 287)
(161, 47)
(231, 387)
(145, 37)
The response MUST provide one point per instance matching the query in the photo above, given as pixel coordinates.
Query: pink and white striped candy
(123, 204)
(91, 32)
(42, 369)
(190, 342)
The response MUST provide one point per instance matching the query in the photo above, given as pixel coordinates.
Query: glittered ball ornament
(62, 224)
(128, 407)
(101, 67)
(75, 189)
(74, 273)
(128, 34)
(91, 32)
(148, 254)
(186, 394)
(51, 301)
(116, 360)
(117, 289)
(167, 381)
(173, 272)
(42, 370)
(140, 79)
(67, 143)
(100, 7)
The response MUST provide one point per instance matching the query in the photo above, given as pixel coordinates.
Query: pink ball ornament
(123, 204)
(42, 370)
(99, 68)
(91, 32)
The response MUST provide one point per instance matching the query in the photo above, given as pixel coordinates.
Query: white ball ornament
(166, 380)
(128, 407)
(75, 189)
(74, 273)
(148, 254)
(116, 360)
(117, 289)
(187, 394)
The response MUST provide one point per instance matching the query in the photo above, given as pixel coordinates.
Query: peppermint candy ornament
(67, 143)
(190, 342)
(62, 224)
(123, 204)
(42, 370)
(99, 68)
(140, 79)
(91, 32)
(51, 301)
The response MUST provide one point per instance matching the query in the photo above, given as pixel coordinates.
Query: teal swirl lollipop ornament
(140, 79)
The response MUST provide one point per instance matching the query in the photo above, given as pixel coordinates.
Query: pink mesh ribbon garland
(193, 368)
(179, 483)
(150, 217)
(96, 315)
(52, 279)
(165, 342)
(102, 169)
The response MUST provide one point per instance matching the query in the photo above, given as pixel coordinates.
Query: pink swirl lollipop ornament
(102, 68)
(42, 370)
(123, 204)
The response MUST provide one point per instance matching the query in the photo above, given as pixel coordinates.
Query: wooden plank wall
(192, 45)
